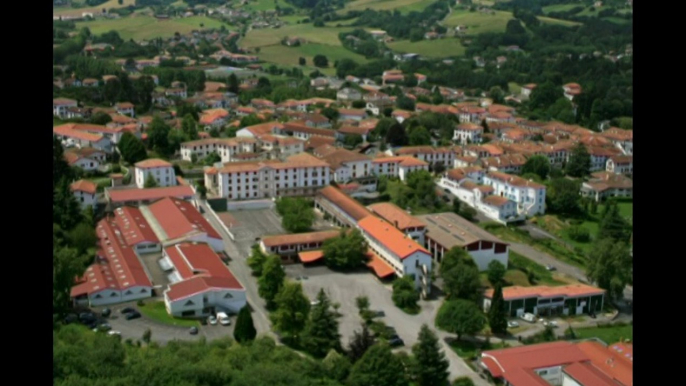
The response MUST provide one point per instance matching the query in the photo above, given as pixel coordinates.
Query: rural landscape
(343, 192)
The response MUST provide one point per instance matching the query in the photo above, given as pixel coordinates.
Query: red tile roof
(135, 194)
(153, 163)
(381, 268)
(68, 131)
(179, 218)
(572, 290)
(301, 128)
(299, 238)
(134, 227)
(396, 241)
(311, 256)
(84, 186)
(396, 216)
(616, 360)
(346, 203)
(63, 102)
(588, 375)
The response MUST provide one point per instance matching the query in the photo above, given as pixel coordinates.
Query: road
(240, 269)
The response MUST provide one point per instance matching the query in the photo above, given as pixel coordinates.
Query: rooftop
(84, 186)
(449, 230)
(346, 203)
(178, 218)
(135, 194)
(396, 241)
(299, 238)
(153, 163)
(572, 290)
(396, 216)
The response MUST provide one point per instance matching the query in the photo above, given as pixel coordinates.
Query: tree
(337, 366)
(131, 148)
(158, 137)
(396, 135)
(301, 61)
(67, 264)
(362, 303)
(250, 120)
(497, 317)
(360, 343)
(382, 127)
(563, 197)
(460, 275)
(612, 225)
(147, 335)
(497, 94)
(292, 310)
(405, 295)
(610, 266)
(456, 205)
(346, 251)
(82, 237)
(353, 140)
(378, 366)
(468, 213)
(405, 103)
(419, 136)
(245, 329)
(460, 317)
(150, 182)
(579, 164)
(539, 165)
(271, 280)
(321, 330)
(320, 61)
(66, 211)
(430, 367)
(330, 113)
(410, 80)
(496, 272)
(297, 214)
(463, 381)
(189, 127)
(212, 159)
(60, 167)
(256, 260)
(545, 95)
(233, 83)
(101, 118)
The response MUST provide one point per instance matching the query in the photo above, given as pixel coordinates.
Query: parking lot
(254, 223)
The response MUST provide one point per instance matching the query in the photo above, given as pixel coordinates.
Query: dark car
(133, 315)
(193, 330)
(106, 312)
(396, 342)
(92, 324)
(87, 317)
(128, 310)
(380, 314)
(71, 318)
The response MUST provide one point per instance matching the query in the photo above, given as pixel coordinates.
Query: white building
(398, 167)
(348, 95)
(602, 185)
(162, 171)
(80, 139)
(428, 154)
(61, 105)
(622, 139)
(300, 174)
(527, 89)
(621, 165)
(85, 163)
(226, 148)
(85, 193)
(213, 119)
(468, 133)
(401, 220)
(201, 283)
(125, 108)
(347, 165)
(527, 195)
(398, 250)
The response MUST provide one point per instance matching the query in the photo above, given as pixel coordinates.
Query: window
(98, 296)
(144, 291)
(189, 303)
(228, 296)
(113, 294)
(543, 372)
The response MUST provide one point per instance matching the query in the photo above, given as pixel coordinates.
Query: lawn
(404, 6)
(269, 36)
(288, 56)
(514, 88)
(543, 276)
(438, 48)
(157, 312)
(265, 5)
(479, 22)
(467, 349)
(608, 334)
(560, 7)
(141, 27)
(512, 277)
(68, 11)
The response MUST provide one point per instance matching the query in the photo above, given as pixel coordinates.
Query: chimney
(396, 223)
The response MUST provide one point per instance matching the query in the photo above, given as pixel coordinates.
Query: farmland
(430, 48)
(68, 11)
(288, 56)
(403, 6)
(479, 22)
(146, 27)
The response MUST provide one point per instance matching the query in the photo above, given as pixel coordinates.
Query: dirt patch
(552, 224)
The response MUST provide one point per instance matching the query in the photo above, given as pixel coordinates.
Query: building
(587, 363)
(428, 154)
(401, 220)
(571, 90)
(398, 250)
(348, 95)
(343, 209)
(344, 131)
(85, 163)
(305, 132)
(226, 148)
(347, 165)
(468, 133)
(117, 275)
(288, 246)
(299, 175)
(621, 164)
(114, 134)
(213, 119)
(61, 105)
(85, 193)
(602, 185)
(445, 231)
(162, 171)
(351, 114)
(528, 195)
(80, 139)
(201, 284)
(398, 166)
(527, 89)
(507, 163)
(574, 299)
(125, 108)
(136, 197)
(175, 221)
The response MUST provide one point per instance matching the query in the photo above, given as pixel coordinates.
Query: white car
(512, 324)
(551, 323)
(223, 318)
(314, 303)
(212, 320)
(113, 332)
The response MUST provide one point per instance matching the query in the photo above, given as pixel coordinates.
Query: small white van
(529, 317)
(223, 318)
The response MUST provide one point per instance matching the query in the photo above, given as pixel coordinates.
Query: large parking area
(250, 224)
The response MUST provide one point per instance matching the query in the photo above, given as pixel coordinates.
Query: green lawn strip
(543, 276)
(609, 334)
(467, 349)
(438, 48)
(158, 312)
(512, 277)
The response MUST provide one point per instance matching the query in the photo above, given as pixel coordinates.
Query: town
(399, 216)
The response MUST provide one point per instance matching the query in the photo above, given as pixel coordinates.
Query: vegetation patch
(158, 312)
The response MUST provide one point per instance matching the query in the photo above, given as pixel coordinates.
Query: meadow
(403, 6)
(139, 27)
(68, 11)
(439, 48)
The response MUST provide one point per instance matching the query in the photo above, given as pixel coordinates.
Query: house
(84, 192)
(500, 60)
(319, 83)
(586, 363)
(392, 76)
(620, 138)
(445, 231)
(347, 95)
(480, 62)
(179, 92)
(401, 220)
(400, 166)
(506, 163)
(347, 165)
(344, 210)
(200, 283)
(621, 164)
(528, 195)
(468, 132)
(344, 131)
(431, 35)
(176, 221)
(71, 137)
(607, 184)
(304, 132)
(353, 114)
(60, 106)
(289, 245)
(213, 119)
(162, 171)
(262, 104)
(126, 196)
(255, 131)
(574, 299)
(571, 90)
(88, 164)
(428, 154)
(90, 82)
(527, 89)
(401, 115)
(378, 34)
(316, 120)
(391, 247)
(125, 108)
(299, 175)
(117, 275)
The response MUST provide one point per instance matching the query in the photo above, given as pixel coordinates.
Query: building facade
(162, 171)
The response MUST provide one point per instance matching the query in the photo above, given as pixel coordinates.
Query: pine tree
(579, 161)
(271, 280)
(321, 330)
(292, 311)
(150, 182)
(66, 211)
(430, 367)
(612, 225)
(60, 167)
(360, 343)
(245, 329)
(496, 314)
(378, 367)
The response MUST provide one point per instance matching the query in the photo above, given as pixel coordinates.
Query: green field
(479, 22)
(543, 276)
(288, 56)
(263, 5)
(439, 48)
(608, 334)
(147, 27)
(404, 6)
(512, 277)
(560, 7)
(157, 312)
(310, 33)
(68, 11)
(514, 88)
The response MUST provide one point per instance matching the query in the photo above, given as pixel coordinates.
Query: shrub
(140, 303)
(579, 234)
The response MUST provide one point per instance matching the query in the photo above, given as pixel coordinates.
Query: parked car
(133, 315)
(512, 324)
(71, 318)
(396, 342)
(314, 302)
(104, 327)
(106, 312)
(113, 332)
(87, 316)
(212, 320)
(551, 323)
(550, 267)
(529, 317)
(193, 330)
(379, 314)
(128, 310)
(223, 318)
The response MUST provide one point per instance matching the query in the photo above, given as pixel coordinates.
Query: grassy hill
(68, 11)
(404, 6)
(139, 27)
(479, 22)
